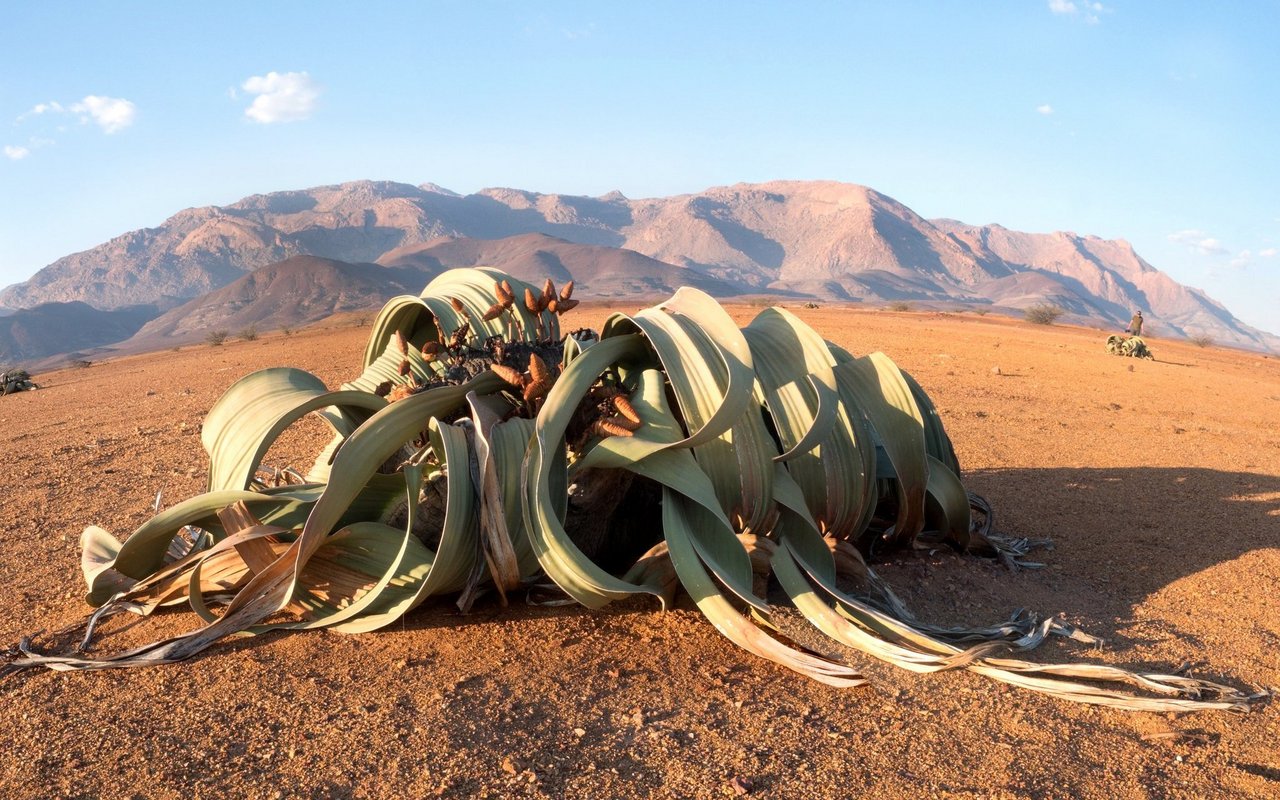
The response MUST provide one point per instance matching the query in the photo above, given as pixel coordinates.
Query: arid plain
(1158, 483)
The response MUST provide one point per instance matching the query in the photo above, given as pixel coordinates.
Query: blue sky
(1156, 122)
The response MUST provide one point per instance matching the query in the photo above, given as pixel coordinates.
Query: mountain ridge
(816, 238)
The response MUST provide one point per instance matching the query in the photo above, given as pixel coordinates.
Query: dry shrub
(1044, 313)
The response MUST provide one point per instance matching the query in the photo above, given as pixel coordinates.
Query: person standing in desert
(1135, 324)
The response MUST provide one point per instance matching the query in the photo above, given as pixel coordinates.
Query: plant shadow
(1122, 541)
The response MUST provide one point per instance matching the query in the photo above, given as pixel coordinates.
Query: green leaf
(708, 364)
(826, 451)
(563, 562)
(937, 442)
(879, 391)
(249, 416)
(729, 621)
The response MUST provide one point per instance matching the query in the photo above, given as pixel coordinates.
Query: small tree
(249, 334)
(1044, 313)
(900, 305)
(216, 338)
(1201, 339)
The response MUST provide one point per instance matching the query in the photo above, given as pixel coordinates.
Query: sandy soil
(1159, 483)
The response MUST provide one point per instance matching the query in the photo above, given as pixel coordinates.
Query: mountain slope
(55, 328)
(816, 238)
(597, 271)
(292, 293)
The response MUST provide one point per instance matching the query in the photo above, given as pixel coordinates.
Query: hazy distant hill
(289, 294)
(823, 239)
(52, 328)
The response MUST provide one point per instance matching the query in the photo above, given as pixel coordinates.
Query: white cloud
(1089, 11)
(1200, 242)
(1242, 259)
(1045, 109)
(51, 107)
(16, 152)
(281, 97)
(1270, 252)
(584, 32)
(112, 114)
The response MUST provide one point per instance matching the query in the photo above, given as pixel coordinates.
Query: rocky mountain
(810, 238)
(598, 271)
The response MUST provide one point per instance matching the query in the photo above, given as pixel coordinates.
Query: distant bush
(810, 305)
(982, 312)
(900, 305)
(1201, 339)
(249, 334)
(286, 331)
(1044, 313)
(216, 338)
(81, 363)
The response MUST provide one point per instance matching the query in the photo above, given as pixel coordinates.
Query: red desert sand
(1158, 482)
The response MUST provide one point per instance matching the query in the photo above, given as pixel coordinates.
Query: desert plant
(286, 331)
(1201, 339)
(1044, 313)
(980, 311)
(536, 451)
(81, 363)
(899, 305)
(16, 380)
(249, 334)
(216, 338)
(1131, 346)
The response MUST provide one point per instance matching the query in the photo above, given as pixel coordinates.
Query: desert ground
(1158, 483)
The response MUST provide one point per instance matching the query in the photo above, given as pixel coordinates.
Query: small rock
(995, 371)
(508, 766)
(579, 732)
